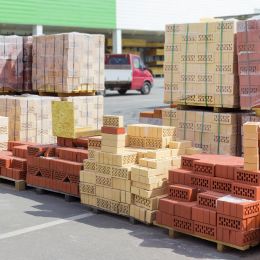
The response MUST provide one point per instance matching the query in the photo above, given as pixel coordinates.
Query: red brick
(201, 182)
(247, 177)
(167, 220)
(182, 192)
(113, 130)
(208, 199)
(247, 237)
(212, 217)
(205, 230)
(219, 233)
(246, 191)
(231, 223)
(183, 224)
(166, 205)
(179, 176)
(221, 185)
(197, 214)
(159, 217)
(184, 209)
(203, 168)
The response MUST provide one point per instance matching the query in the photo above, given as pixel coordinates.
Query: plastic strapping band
(248, 70)
(4, 66)
(172, 62)
(221, 62)
(186, 64)
(44, 63)
(17, 64)
(218, 132)
(54, 70)
(202, 130)
(73, 61)
(27, 117)
(185, 118)
(206, 66)
(62, 75)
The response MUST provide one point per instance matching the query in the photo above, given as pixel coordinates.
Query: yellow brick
(177, 152)
(128, 197)
(116, 195)
(182, 144)
(100, 191)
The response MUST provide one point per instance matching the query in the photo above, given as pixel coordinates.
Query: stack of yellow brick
(107, 176)
(200, 65)
(217, 133)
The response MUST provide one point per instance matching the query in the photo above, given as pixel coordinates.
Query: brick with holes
(182, 192)
(201, 182)
(209, 199)
(246, 191)
(183, 224)
(247, 177)
(221, 185)
(205, 230)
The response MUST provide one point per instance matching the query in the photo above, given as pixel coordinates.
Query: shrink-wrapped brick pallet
(68, 62)
(248, 50)
(217, 133)
(27, 63)
(29, 118)
(200, 65)
(11, 63)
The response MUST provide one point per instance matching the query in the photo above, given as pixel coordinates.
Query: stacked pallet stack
(29, 118)
(248, 50)
(56, 168)
(215, 198)
(217, 133)
(105, 182)
(11, 65)
(201, 65)
(68, 62)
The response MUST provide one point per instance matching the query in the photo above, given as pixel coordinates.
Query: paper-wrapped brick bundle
(248, 50)
(29, 118)
(27, 63)
(69, 62)
(200, 65)
(11, 63)
(217, 133)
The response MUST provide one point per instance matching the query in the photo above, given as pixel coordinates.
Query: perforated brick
(87, 188)
(182, 224)
(208, 199)
(199, 181)
(246, 191)
(182, 193)
(231, 223)
(203, 168)
(120, 172)
(247, 177)
(103, 169)
(124, 209)
(205, 230)
(104, 181)
(90, 165)
(221, 185)
(136, 141)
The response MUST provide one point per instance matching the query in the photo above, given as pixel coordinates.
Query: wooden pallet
(42, 190)
(73, 94)
(19, 184)
(221, 246)
(213, 109)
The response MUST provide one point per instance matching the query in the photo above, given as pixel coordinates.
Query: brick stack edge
(212, 196)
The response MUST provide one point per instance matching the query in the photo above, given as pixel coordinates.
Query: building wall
(154, 14)
(77, 13)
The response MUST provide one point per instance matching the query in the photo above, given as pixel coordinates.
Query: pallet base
(19, 184)
(214, 109)
(73, 94)
(221, 246)
(41, 190)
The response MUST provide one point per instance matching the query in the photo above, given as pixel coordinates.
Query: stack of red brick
(248, 50)
(212, 196)
(57, 167)
(13, 162)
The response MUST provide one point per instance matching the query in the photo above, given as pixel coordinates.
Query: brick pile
(213, 197)
(151, 117)
(13, 161)
(57, 168)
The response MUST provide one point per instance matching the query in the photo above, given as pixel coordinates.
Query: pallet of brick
(248, 51)
(11, 63)
(105, 181)
(77, 116)
(200, 66)
(27, 63)
(55, 168)
(218, 133)
(29, 118)
(214, 198)
(68, 62)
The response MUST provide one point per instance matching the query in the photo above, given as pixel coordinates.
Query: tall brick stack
(3, 133)
(248, 50)
(200, 65)
(213, 197)
(68, 62)
(217, 133)
(27, 63)
(105, 182)
(11, 63)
